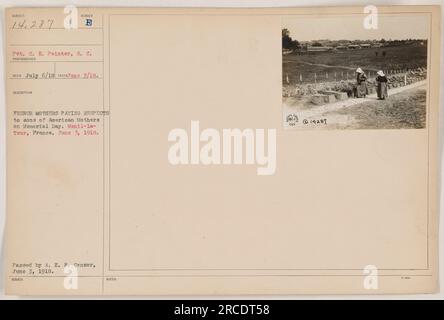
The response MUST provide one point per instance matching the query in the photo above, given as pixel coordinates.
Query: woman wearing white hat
(381, 89)
(361, 85)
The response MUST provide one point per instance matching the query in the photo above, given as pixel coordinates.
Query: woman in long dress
(361, 84)
(381, 89)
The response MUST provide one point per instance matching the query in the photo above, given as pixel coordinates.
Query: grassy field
(335, 65)
(405, 110)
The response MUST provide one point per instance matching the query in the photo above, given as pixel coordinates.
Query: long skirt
(382, 90)
(361, 90)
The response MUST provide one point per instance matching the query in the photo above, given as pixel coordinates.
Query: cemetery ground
(405, 108)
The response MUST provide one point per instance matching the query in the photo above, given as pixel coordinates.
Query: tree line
(288, 42)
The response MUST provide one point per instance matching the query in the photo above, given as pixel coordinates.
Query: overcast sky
(350, 27)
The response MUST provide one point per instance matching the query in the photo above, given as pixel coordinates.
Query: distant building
(324, 42)
(366, 45)
(286, 51)
(354, 46)
(319, 49)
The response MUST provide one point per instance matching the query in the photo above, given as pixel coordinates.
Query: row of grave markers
(348, 75)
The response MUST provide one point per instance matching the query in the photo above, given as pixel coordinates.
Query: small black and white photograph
(338, 74)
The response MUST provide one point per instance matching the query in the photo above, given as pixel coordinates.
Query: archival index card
(222, 151)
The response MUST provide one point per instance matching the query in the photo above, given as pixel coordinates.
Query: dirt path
(317, 112)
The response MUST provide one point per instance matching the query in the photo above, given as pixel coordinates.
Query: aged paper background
(339, 200)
